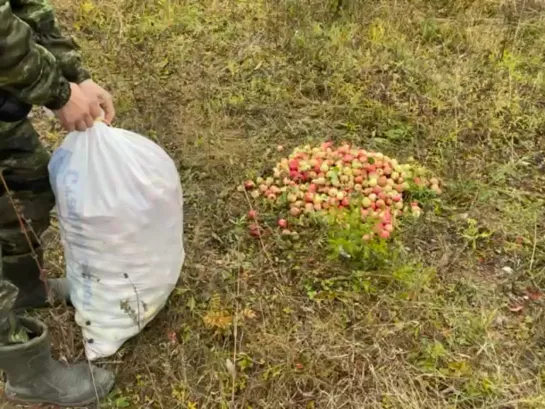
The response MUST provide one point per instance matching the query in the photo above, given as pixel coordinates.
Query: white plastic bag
(119, 203)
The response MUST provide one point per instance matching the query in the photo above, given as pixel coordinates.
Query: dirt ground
(453, 319)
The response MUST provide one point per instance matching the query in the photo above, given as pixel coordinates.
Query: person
(38, 67)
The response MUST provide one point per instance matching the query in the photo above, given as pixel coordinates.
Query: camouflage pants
(23, 163)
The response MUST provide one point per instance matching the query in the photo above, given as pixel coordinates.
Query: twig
(235, 335)
(532, 260)
(156, 390)
(137, 302)
(43, 274)
(535, 245)
(94, 382)
(260, 239)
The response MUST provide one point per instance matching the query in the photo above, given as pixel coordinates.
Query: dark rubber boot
(33, 377)
(23, 271)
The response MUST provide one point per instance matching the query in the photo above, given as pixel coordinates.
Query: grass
(453, 318)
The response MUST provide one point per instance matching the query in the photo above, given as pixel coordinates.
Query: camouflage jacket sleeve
(39, 15)
(27, 70)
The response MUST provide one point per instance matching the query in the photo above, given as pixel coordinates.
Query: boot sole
(48, 402)
(23, 401)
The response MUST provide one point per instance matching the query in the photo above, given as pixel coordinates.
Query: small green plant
(350, 239)
(118, 400)
(473, 233)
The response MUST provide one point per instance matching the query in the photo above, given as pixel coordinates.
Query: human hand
(93, 91)
(79, 112)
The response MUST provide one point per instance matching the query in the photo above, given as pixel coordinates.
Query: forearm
(27, 70)
(39, 15)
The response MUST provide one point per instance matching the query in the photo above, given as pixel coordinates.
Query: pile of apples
(323, 180)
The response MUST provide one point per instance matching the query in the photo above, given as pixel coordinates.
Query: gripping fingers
(81, 125)
(69, 126)
(109, 110)
(95, 110)
(89, 121)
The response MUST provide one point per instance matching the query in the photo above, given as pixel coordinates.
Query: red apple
(327, 145)
(294, 164)
(255, 230)
(387, 218)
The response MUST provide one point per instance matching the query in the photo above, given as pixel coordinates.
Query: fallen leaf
(249, 313)
(516, 307)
